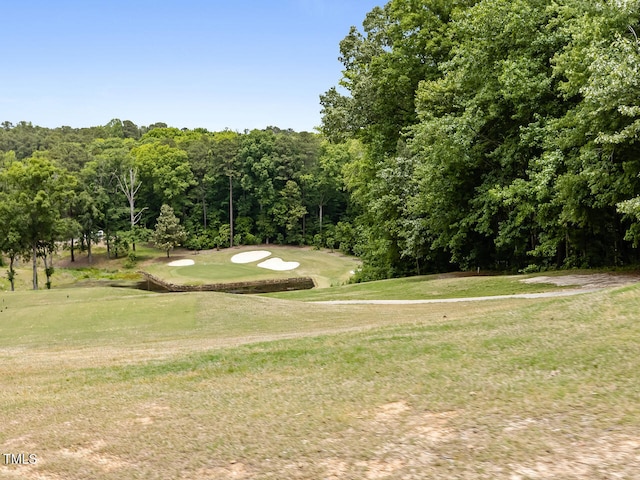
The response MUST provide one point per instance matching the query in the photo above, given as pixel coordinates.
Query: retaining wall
(256, 286)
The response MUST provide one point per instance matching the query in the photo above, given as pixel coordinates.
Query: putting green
(326, 268)
(221, 272)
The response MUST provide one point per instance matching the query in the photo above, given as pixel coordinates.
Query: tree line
(492, 134)
(111, 183)
(498, 134)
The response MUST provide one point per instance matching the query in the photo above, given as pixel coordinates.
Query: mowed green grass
(423, 287)
(326, 268)
(118, 384)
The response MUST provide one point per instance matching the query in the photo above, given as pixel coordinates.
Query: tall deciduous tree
(12, 231)
(111, 159)
(513, 138)
(165, 173)
(402, 44)
(257, 152)
(225, 158)
(41, 190)
(324, 182)
(289, 210)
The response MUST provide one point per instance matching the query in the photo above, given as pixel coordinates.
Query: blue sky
(189, 63)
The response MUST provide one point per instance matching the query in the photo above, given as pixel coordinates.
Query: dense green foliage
(470, 134)
(78, 186)
(498, 134)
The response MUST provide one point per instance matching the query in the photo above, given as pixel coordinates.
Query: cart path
(560, 293)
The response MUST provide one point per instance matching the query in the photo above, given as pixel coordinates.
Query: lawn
(108, 383)
(326, 268)
(423, 287)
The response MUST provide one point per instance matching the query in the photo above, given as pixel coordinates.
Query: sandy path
(587, 280)
(562, 293)
(587, 283)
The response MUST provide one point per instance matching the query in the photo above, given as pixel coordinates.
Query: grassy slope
(423, 287)
(113, 384)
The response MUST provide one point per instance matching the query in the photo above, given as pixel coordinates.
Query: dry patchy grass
(211, 386)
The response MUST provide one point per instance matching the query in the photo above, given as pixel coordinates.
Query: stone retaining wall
(256, 286)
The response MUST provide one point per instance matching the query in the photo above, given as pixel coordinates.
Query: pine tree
(168, 233)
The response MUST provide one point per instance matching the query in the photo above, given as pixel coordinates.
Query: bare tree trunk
(12, 272)
(132, 208)
(130, 189)
(89, 256)
(230, 211)
(47, 268)
(34, 264)
(204, 212)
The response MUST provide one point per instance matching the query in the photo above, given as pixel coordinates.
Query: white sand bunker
(248, 257)
(278, 264)
(181, 263)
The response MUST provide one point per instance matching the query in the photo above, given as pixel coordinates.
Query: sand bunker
(278, 264)
(252, 256)
(181, 263)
